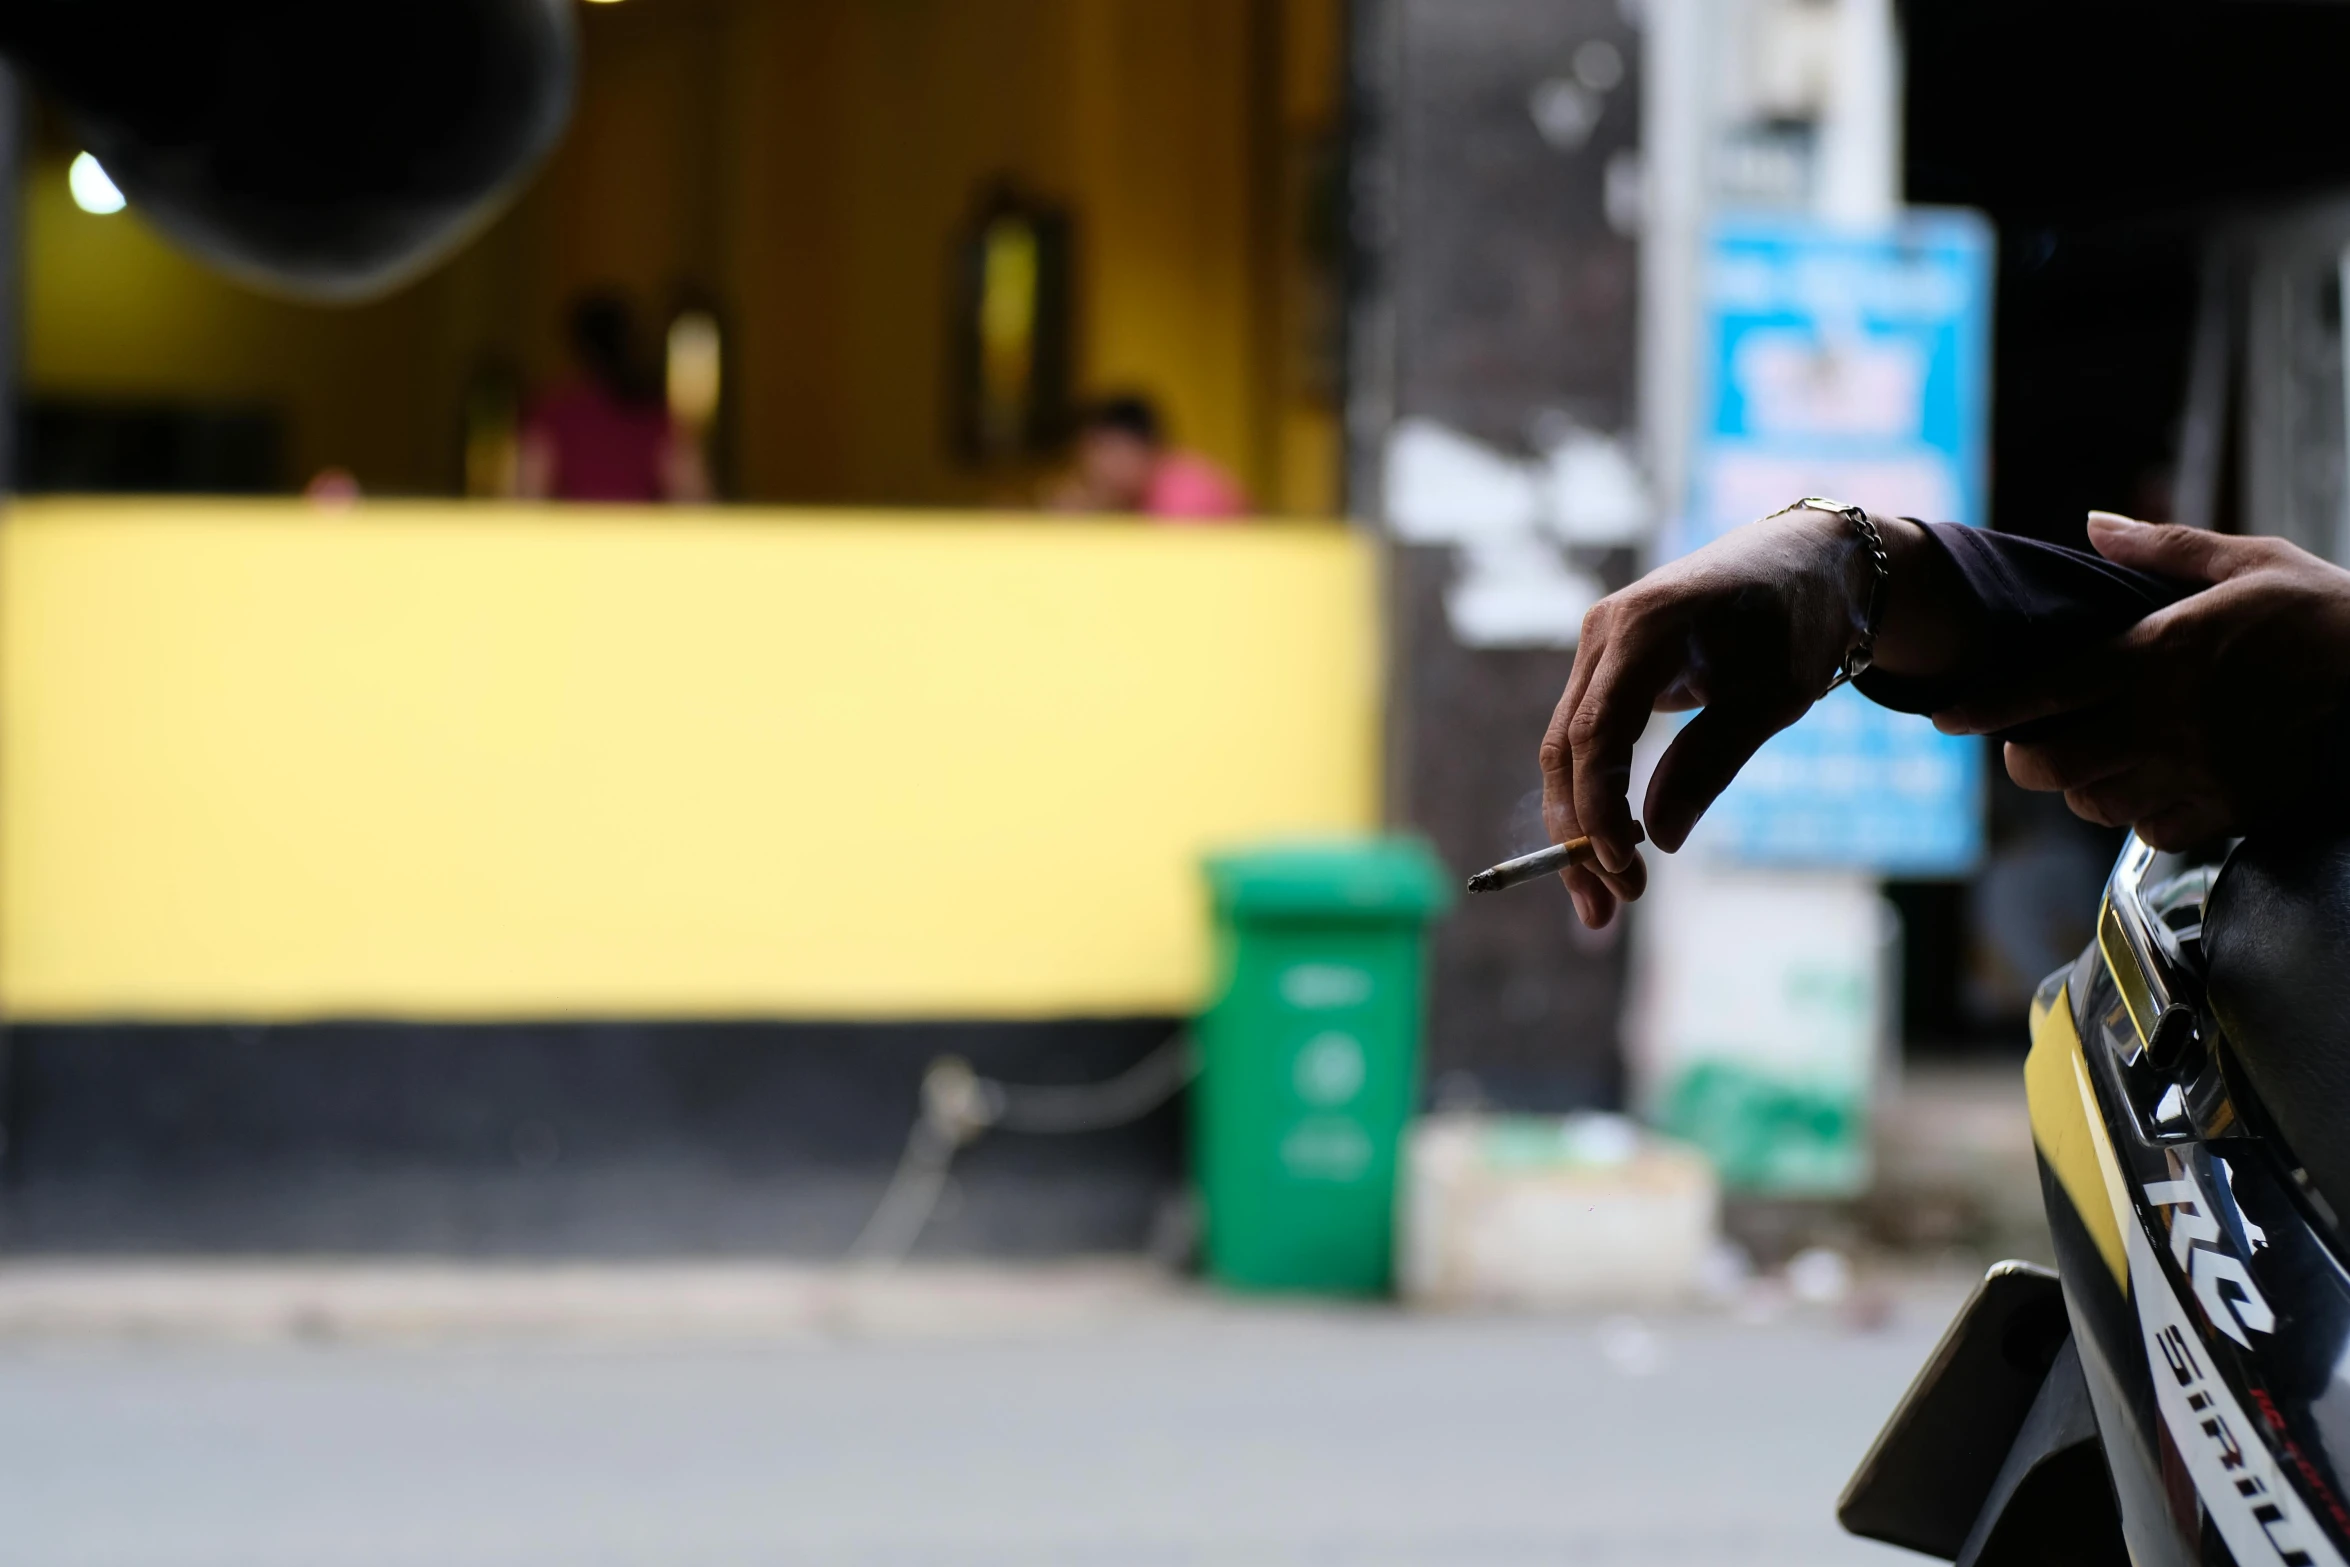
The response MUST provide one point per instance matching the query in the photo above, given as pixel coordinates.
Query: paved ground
(1118, 1431)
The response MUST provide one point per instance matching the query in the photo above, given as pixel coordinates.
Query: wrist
(1864, 569)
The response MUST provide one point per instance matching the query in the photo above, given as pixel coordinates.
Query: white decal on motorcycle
(2252, 1232)
(2242, 1487)
(2222, 1284)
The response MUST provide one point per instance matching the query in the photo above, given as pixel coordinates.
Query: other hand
(2205, 718)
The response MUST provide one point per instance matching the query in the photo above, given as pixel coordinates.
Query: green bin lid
(1360, 878)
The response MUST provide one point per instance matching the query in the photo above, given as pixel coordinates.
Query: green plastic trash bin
(1310, 1059)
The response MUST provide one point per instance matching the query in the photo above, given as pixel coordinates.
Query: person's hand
(2205, 718)
(1750, 629)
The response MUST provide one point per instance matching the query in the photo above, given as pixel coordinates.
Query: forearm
(1984, 607)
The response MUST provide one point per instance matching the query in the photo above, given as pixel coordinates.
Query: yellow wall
(806, 163)
(441, 763)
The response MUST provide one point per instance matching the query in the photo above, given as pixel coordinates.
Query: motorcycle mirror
(330, 152)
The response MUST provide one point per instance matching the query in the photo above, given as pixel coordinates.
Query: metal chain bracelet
(1863, 651)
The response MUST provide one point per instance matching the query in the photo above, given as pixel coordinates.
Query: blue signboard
(1851, 364)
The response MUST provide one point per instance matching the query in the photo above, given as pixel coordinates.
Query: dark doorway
(99, 448)
(2109, 143)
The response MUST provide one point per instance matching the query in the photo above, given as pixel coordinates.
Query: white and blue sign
(1851, 364)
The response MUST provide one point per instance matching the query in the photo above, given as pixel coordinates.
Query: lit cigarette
(1542, 862)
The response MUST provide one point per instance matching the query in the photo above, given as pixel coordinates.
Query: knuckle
(1585, 727)
(2091, 807)
(2056, 772)
(2156, 639)
(2060, 768)
(2029, 766)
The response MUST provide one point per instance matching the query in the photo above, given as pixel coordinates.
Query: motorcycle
(2177, 1391)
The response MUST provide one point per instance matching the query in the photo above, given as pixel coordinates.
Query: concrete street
(1171, 1429)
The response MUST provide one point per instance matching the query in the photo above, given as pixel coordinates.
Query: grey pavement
(1193, 1431)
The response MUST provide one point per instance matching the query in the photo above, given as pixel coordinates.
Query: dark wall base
(588, 1139)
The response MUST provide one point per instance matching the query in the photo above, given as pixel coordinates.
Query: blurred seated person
(606, 434)
(1125, 464)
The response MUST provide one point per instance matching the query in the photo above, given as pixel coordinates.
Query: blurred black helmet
(330, 149)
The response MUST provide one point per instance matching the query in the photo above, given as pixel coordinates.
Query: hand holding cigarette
(1748, 631)
(1542, 862)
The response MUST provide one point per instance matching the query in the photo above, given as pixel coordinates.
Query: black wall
(1491, 293)
(601, 1139)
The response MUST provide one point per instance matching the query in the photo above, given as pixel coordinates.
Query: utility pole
(12, 140)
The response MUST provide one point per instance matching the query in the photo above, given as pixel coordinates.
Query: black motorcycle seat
(2276, 941)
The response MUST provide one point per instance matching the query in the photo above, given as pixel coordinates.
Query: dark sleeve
(2037, 605)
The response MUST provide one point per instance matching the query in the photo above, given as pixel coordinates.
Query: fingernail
(2114, 519)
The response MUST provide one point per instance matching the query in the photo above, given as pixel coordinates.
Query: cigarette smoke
(1525, 832)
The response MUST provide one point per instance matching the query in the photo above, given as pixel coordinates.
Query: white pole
(1860, 134)
(1677, 132)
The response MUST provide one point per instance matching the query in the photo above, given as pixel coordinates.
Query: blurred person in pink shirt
(1125, 464)
(606, 434)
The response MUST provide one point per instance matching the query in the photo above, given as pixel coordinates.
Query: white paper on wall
(1507, 518)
